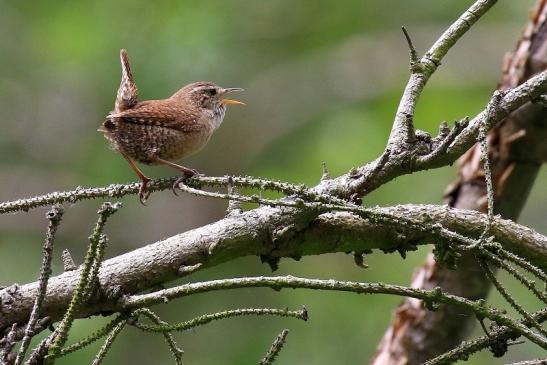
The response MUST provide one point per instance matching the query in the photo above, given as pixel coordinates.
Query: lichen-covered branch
(274, 350)
(495, 340)
(54, 215)
(58, 338)
(206, 318)
(431, 297)
(260, 232)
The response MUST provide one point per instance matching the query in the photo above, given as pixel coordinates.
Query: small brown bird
(163, 131)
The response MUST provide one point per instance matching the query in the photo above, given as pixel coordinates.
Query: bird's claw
(182, 179)
(144, 192)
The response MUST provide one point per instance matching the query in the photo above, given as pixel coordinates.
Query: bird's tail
(128, 93)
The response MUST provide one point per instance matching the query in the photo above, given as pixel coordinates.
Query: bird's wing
(160, 114)
(128, 93)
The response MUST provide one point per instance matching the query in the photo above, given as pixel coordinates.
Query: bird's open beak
(231, 101)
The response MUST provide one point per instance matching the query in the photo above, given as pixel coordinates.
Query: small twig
(234, 207)
(58, 338)
(108, 343)
(38, 354)
(54, 215)
(8, 345)
(103, 331)
(206, 318)
(249, 199)
(68, 261)
(508, 297)
(445, 143)
(483, 143)
(325, 175)
(467, 348)
(402, 133)
(412, 49)
(484, 329)
(382, 160)
(97, 261)
(41, 324)
(79, 194)
(274, 350)
(431, 296)
(526, 265)
(516, 274)
(175, 350)
(531, 362)
(120, 190)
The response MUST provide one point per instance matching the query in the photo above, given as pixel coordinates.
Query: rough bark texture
(250, 233)
(517, 149)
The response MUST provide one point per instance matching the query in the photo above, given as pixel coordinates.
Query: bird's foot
(187, 173)
(144, 192)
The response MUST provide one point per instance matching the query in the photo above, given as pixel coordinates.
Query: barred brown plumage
(167, 130)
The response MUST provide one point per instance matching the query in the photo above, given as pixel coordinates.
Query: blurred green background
(322, 81)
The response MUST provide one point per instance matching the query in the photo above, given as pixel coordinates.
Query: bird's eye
(212, 91)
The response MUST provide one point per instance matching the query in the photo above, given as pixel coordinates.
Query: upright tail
(128, 93)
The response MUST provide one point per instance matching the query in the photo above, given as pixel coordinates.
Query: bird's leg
(186, 172)
(144, 193)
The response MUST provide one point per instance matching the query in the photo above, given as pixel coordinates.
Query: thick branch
(260, 232)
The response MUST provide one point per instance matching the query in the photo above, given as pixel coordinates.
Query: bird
(161, 132)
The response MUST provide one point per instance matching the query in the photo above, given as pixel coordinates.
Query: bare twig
(411, 48)
(176, 351)
(206, 318)
(37, 355)
(68, 261)
(120, 190)
(103, 331)
(92, 283)
(402, 132)
(494, 338)
(490, 110)
(54, 215)
(274, 350)
(509, 298)
(531, 362)
(541, 295)
(9, 343)
(522, 263)
(459, 126)
(108, 343)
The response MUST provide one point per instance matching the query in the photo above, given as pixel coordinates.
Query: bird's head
(208, 95)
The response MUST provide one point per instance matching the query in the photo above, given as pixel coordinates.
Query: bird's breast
(141, 140)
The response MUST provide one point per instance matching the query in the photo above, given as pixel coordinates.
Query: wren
(163, 131)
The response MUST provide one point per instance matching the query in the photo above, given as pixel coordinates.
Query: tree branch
(516, 152)
(431, 297)
(402, 133)
(262, 232)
